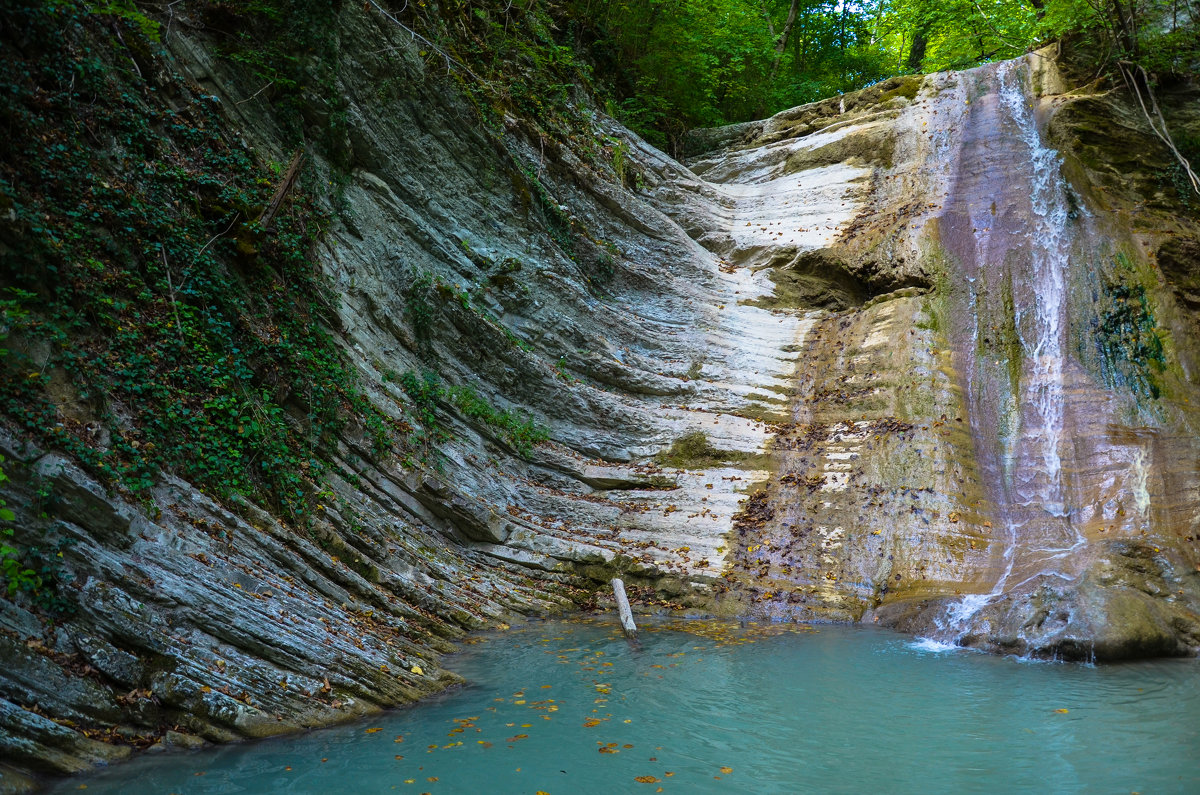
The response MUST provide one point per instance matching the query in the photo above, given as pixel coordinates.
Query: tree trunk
(781, 43)
(1126, 28)
(916, 53)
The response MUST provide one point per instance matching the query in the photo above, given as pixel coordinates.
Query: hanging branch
(1159, 129)
(449, 58)
(1000, 35)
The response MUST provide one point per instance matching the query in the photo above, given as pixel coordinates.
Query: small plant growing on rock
(693, 450)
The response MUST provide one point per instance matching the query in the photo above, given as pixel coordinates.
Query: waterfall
(1035, 520)
(1050, 242)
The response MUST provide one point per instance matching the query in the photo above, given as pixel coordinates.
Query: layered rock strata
(815, 381)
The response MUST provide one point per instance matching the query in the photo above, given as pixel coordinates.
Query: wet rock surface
(795, 304)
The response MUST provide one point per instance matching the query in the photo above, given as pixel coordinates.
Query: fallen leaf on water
(726, 769)
(646, 779)
(376, 729)
(1062, 711)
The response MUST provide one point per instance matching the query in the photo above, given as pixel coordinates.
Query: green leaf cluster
(678, 64)
(147, 292)
(426, 390)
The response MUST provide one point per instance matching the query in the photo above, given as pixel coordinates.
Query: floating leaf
(376, 729)
(645, 779)
(1062, 711)
(726, 769)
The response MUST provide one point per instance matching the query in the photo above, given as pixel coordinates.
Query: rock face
(1007, 460)
(888, 357)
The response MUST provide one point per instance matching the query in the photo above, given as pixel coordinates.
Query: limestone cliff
(879, 358)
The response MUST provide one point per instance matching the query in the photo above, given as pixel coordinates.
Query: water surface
(570, 707)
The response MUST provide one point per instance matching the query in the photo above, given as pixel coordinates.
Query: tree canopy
(694, 63)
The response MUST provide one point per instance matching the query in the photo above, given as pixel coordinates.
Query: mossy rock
(693, 450)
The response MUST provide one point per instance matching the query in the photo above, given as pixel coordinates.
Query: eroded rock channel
(872, 359)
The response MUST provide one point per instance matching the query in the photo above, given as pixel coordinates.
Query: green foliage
(508, 58)
(136, 258)
(426, 390)
(678, 64)
(558, 223)
(519, 431)
(418, 307)
(35, 571)
(1129, 341)
(290, 49)
(693, 450)
(1189, 147)
(562, 373)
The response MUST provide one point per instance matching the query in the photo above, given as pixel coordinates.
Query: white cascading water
(1049, 236)
(1050, 248)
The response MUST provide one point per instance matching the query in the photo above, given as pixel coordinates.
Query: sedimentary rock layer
(869, 360)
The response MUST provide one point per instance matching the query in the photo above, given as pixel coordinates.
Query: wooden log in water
(623, 609)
